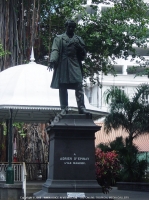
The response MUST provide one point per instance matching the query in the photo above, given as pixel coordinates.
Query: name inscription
(74, 160)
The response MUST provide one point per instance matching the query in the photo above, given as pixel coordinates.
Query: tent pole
(10, 170)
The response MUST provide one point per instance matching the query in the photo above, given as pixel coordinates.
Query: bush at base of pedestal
(107, 168)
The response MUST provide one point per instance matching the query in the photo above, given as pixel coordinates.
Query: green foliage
(116, 94)
(2, 52)
(121, 146)
(2, 146)
(4, 128)
(108, 35)
(128, 114)
(20, 128)
(132, 169)
(107, 168)
(53, 16)
(112, 33)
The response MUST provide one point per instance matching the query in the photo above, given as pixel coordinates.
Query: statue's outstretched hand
(51, 66)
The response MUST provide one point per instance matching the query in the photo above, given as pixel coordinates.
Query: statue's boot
(63, 96)
(80, 100)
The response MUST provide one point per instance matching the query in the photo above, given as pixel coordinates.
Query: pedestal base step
(69, 195)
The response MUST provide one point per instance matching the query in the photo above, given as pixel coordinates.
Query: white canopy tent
(25, 89)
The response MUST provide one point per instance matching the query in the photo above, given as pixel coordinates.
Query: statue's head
(70, 22)
(70, 27)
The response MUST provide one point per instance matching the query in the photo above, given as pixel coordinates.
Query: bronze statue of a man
(68, 51)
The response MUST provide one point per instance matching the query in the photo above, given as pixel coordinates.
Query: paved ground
(125, 194)
(113, 194)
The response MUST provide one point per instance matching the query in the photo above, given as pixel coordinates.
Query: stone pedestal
(11, 191)
(71, 158)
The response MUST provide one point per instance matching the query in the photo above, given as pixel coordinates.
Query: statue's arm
(55, 50)
(54, 57)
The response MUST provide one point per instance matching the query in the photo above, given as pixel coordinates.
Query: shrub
(107, 168)
(133, 170)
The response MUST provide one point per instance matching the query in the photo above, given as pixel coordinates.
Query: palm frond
(130, 114)
(115, 121)
(140, 90)
(115, 94)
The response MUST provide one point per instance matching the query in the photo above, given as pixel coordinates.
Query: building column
(124, 69)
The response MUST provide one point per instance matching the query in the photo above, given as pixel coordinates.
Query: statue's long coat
(67, 59)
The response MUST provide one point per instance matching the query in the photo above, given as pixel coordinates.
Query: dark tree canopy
(111, 33)
(31, 23)
(108, 35)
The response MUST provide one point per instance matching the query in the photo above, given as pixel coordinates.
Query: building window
(84, 2)
(104, 8)
(91, 9)
(134, 69)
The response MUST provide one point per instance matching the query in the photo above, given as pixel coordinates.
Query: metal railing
(24, 174)
(19, 174)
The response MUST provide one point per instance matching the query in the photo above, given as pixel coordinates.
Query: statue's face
(70, 28)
